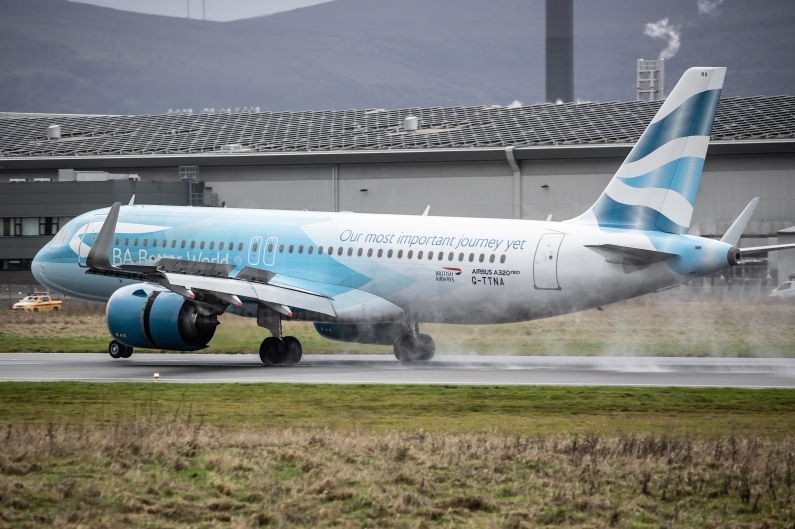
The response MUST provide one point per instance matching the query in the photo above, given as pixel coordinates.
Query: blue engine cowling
(153, 317)
(369, 333)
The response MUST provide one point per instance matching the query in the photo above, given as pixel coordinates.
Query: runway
(383, 369)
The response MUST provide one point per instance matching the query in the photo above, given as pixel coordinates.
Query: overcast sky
(219, 10)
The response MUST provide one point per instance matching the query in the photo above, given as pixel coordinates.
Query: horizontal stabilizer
(732, 236)
(763, 249)
(633, 259)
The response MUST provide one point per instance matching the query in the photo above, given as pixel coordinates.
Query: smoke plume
(662, 29)
(708, 7)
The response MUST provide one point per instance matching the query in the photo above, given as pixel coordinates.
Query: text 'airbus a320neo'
(167, 273)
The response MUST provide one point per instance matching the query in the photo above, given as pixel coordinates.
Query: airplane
(168, 272)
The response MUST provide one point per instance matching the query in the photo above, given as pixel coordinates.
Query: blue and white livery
(167, 273)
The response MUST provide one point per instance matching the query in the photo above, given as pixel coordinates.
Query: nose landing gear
(119, 350)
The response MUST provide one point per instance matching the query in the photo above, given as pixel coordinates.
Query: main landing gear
(280, 351)
(414, 347)
(119, 350)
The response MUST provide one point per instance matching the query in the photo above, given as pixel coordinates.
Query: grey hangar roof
(742, 125)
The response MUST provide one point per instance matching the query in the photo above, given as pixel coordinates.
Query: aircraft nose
(37, 266)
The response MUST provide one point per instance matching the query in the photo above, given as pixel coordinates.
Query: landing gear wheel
(405, 348)
(272, 351)
(426, 348)
(116, 350)
(294, 350)
(128, 351)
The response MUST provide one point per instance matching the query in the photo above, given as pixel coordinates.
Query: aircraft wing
(281, 297)
(183, 277)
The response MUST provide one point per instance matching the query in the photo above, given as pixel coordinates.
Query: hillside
(58, 56)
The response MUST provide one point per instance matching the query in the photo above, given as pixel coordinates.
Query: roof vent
(410, 123)
(54, 132)
(232, 147)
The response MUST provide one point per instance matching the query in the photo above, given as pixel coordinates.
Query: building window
(30, 226)
(48, 225)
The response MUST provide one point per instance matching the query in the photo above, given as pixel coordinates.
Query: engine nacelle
(368, 333)
(153, 317)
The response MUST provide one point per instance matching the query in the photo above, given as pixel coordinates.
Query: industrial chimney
(560, 50)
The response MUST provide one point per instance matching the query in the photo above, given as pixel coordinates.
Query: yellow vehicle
(37, 302)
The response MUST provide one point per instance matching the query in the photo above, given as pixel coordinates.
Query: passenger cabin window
(380, 253)
(212, 244)
(239, 246)
(290, 249)
(400, 254)
(220, 246)
(461, 256)
(480, 260)
(281, 248)
(201, 245)
(154, 243)
(408, 255)
(430, 256)
(301, 249)
(389, 254)
(491, 258)
(146, 243)
(320, 250)
(471, 257)
(419, 255)
(450, 256)
(173, 243)
(135, 242)
(502, 258)
(359, 253)
(331, 250)
(193, 245)
(441, 255)
(350, 252)
(309, 250)
(370, 252)
(254, 247)
(270, 247)
(117, 241)
(339, 250)
(164, 243)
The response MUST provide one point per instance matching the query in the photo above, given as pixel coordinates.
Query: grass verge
(523, 410)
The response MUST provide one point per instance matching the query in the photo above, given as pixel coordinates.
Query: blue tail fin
(655, 188)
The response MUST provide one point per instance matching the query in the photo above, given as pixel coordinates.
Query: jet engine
(153, 317)
(368, 333)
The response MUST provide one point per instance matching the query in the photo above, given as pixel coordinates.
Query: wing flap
(246, 289)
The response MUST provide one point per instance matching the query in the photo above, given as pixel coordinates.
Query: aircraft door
(545, 263)
(87, 235)
(270, 251)
(254, 250)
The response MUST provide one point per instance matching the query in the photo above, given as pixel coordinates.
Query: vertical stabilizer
(655, 188)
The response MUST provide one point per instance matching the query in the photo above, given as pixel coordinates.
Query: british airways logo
(456, 270)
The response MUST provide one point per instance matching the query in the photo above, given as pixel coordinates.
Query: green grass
(280, 455)
(380, 408)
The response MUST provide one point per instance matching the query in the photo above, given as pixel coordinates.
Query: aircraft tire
(128, 351)
(272, 351)
(406, 348)
(426, 348)
(115, 349)
(294, 350)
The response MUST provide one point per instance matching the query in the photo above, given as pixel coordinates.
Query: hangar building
(525, 162)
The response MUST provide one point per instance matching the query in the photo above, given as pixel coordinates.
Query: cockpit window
(60, 237)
